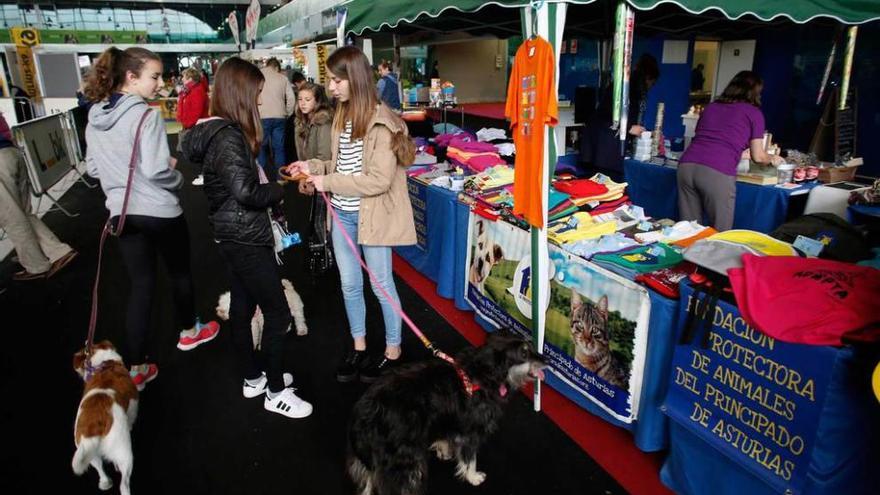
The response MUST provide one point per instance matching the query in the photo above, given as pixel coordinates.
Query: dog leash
(108, 230)
(351, 244)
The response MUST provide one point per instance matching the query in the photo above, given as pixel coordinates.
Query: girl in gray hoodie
(119, 84)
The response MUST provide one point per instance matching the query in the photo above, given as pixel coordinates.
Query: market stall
(609, 339)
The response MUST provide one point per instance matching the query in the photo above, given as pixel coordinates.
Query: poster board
(596, 321)
(46, 146)
(58, 74)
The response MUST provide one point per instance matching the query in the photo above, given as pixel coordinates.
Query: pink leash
(351, 244)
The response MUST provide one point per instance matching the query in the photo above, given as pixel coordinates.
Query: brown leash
(109, 230)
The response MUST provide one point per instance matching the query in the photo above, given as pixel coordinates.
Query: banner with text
(232, 19)
(321, 55)
(755, 399)
(252, 22)
(597, 322)
(418, 197)
(25, 40)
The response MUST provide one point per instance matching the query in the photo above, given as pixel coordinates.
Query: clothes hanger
(535, 5)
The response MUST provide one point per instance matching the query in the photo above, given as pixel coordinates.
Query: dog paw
(105, 484)
(302, 331)
(442, 449)
(475, 477)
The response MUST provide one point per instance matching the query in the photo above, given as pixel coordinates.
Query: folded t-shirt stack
(596, 189)
(609, 243)
(577, 227)
(640, 259)
(681, 230)
(476, 155)
(489, 179)
(444, 139)
(491, 134)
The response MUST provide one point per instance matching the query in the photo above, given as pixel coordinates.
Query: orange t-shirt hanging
(531, 103)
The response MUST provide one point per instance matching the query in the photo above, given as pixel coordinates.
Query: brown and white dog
(105, 416)
(294, 302)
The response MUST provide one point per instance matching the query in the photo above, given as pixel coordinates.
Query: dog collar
(470, 387)
(91, 370)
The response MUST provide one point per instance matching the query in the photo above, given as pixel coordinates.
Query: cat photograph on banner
(596, 326)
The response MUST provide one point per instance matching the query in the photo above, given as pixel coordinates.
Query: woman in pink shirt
(733, 123)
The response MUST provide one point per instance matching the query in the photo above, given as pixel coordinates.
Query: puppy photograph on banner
(596, 328)
(498, 277)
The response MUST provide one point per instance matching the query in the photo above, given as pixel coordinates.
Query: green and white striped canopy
(375, 15)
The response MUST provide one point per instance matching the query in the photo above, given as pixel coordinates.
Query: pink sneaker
(201, 333)
(141, 374)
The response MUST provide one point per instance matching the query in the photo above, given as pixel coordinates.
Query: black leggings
(143, 239)
(256, 281)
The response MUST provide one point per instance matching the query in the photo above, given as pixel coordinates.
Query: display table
(760, 208)
(442, 222)
(750, 414)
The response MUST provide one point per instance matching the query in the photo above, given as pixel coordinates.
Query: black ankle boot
(375, 367)
(351, 366)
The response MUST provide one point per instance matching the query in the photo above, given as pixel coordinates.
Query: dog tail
(85, 452)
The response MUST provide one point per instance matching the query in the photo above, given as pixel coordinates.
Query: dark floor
(195, 433)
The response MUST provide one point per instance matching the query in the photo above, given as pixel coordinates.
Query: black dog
(434, 405)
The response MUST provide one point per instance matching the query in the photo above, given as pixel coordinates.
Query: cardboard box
(829, 173)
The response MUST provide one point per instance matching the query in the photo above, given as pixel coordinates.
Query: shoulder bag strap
(108, 230)
(132, 164)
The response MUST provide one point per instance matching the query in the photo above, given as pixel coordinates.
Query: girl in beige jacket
(367, 181)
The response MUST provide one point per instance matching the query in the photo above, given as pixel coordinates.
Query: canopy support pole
(550, 23)
(623, 39)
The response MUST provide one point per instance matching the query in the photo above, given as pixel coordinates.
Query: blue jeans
(273, 138)
(378, 259)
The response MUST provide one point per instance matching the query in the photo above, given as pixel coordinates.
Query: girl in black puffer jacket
(239, 197)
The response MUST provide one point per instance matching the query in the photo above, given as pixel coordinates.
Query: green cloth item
(644, 259)
(364, 15)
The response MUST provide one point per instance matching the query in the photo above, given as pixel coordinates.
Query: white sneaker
(288, 404)
(250, 391)
(199, 181)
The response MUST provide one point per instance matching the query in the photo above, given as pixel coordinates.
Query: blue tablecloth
(654, 187)
(863, 214)
(842, 455)
(443, 259)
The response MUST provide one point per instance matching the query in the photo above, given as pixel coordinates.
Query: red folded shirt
(808, 300)
(580, 188)
(667, 280)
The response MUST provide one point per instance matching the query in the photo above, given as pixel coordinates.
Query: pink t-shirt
(723, 133)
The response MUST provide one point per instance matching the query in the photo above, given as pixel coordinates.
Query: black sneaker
(350, 367)
(371, 372)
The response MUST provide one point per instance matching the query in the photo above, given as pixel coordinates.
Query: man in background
(298, 79)
(277, 103)
(39, 250)
(697, 78)
(389, 88)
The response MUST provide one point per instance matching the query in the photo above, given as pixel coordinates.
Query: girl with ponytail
(120, 128)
